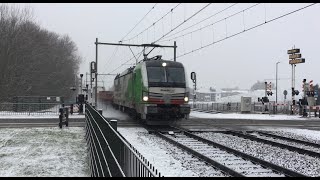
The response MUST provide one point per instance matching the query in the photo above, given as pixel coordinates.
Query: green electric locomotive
(155, 91)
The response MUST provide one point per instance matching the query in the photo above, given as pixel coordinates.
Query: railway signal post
(295, 59)
(194, 80)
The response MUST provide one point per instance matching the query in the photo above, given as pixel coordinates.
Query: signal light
(295, 92)
(269, 93)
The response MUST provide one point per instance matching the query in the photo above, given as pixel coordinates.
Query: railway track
(227, 160)
(282, 142)
(287, 139)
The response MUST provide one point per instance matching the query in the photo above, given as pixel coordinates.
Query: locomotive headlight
(145, 98)
(164, 64)
(186, 99)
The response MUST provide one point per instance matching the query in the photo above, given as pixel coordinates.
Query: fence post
(113, 123)
(67, 116)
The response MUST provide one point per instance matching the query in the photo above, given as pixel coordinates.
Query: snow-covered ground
(165, 159)
(35, 116)
(62, 152)
(43, 152)
(249, 116)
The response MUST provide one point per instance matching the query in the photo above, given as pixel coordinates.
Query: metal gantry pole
(91, 88)
(175, 51)
(86, 78)
(277, 86)
(96, 76)
(118, 44)
(292, 88)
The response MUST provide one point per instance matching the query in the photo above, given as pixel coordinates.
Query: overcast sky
(237, 61)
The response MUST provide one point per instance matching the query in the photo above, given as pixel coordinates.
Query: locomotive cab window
(166, 76)
(175, 75)
(156, 74)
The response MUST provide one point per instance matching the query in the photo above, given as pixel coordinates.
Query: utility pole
(277, 86)
(265, 96)
(93, 70)
(96, 76)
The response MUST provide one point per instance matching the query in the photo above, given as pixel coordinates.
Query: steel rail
(263, 163)
(222, 167)
(290, 139)
(291, 148)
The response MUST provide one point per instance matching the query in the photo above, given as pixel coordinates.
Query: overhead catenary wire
(211, 24)
(145, 30)
(125, 62)
(265, 22)
(172, 29)
(116, 49)
(202, 20)
(154, 23)
(139, 22)
(183, 22)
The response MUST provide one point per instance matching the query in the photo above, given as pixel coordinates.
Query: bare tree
(33, 60)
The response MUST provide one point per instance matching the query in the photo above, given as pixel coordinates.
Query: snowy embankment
(195, 114)
(167, 159)
(43, 152)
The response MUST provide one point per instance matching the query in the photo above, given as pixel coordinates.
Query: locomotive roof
(152, 63)
(157, 63)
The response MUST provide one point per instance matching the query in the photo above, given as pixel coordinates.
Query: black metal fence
(110, 155)
(256, 107)
(29, 108)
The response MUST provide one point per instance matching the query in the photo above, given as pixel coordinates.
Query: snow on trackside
(55, 152)
(155, 152)
(43, 152)
(36, 116)
(312, 134)
(165, 161)
(194, 114)
(308, 134)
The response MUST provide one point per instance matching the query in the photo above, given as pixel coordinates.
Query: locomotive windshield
(175, 75)
(166, 76)
(156, 74)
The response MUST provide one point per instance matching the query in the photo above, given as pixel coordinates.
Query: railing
(232, 107)
(256, 107)
(29, 108)
(110, 155)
